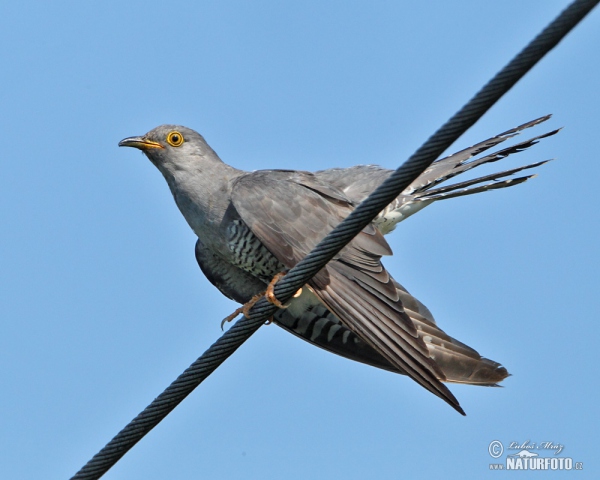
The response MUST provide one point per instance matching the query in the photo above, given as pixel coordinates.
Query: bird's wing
(308, 318)
(290, 212)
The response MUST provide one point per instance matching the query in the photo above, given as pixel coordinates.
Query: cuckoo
(251, 226)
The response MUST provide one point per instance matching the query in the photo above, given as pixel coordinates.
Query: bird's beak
(139, 142)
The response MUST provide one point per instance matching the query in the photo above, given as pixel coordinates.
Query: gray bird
(253, 225)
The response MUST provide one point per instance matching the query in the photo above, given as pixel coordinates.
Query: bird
(254, 226)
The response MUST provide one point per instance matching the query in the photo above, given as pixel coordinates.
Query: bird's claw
(229, 318)
(269, 294)
(245, 309)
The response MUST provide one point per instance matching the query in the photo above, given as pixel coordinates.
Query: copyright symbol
(496, 449)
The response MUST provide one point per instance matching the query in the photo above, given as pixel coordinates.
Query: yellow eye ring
(175, 138)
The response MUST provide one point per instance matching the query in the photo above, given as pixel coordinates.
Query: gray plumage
(253, 225)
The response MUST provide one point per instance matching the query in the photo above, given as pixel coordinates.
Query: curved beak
(139, 142)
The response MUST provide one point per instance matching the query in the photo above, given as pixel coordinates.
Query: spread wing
(290, 212)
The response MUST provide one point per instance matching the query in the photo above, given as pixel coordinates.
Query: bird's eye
(175, 139)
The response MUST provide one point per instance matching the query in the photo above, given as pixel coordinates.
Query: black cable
(336, 240)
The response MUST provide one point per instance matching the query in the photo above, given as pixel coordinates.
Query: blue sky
(103, 304)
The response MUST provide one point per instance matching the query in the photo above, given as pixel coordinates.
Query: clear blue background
(102, 303)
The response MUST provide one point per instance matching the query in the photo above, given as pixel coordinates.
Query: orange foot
(245, 309)
(269, 294)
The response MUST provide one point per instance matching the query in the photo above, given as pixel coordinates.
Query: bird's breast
(248, 253)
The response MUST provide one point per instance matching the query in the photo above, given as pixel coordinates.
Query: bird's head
(171, 147)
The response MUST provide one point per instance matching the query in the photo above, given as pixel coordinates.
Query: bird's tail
(425, 190)
(446, 168)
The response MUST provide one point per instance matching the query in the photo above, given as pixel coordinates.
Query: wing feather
(290, 212)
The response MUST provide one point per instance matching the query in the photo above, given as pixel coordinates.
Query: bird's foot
(270, 291)
(269, 294)
(229, 318)
(245, 309)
